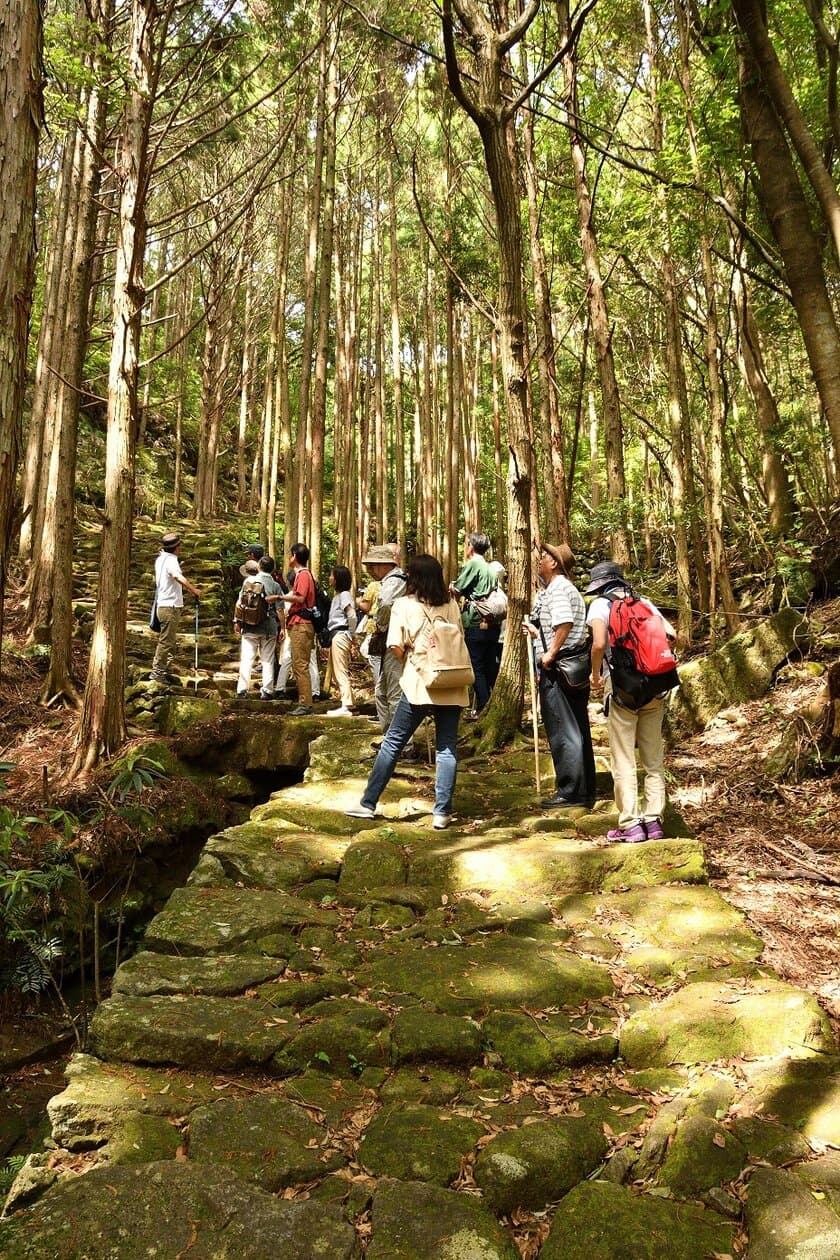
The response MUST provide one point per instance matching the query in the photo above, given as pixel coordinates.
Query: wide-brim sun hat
(602, 575)
(379, 555)
(562, 553)
(169, 541)
(249, 568)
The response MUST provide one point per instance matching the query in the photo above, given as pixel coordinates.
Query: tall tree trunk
(102, 722)
(396, 355)
(598, 313)
(244, 398)
(787, 211)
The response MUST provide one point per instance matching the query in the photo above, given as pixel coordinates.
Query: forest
(362, 272)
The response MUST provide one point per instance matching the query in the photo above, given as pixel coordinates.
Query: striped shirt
(560, 604)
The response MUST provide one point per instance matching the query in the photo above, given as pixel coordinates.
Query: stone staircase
(509, 1039)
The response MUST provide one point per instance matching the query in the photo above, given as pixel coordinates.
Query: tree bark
(21, 86)
(102, 722)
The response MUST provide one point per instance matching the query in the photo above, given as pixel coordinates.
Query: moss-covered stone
(707, 1021)
(598, 1220)
(220, 920)
(331, 1099)
(619, 1111)
(264, 1139)
(255, 856)
(173, 1209)
(494, 971)
(235, 787)
(219, 975)
(432, 1086)
(804, 1095)
(419, 1034)
(418, 1143)
(181, 712)
(298, 994)
(98, 1095)
(537, 1048)
(702, 1154)
(193, 1032)
(786, 1222)
(138, 1138)
(534, 1165)
(414, 1221)
(341, 1042)
(369, 863)
(768, 1141)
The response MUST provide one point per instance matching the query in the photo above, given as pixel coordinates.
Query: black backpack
(252, 606)
(320, 614)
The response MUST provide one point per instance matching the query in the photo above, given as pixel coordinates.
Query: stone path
(346, 1038)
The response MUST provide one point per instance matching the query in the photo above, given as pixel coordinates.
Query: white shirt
(560, 604)
(342, 612)
(170, 592)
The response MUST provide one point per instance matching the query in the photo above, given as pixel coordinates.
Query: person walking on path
(258, 640)
(299, 627)
(628, 728)
(558, 627)
(382, 566)
(368, 602)
(426, 597)
(475, 580)
(170, 585)
(341, 624)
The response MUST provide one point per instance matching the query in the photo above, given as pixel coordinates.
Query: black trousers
(566, 720)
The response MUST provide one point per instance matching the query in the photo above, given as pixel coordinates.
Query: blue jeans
(403, 725)
(482, 646)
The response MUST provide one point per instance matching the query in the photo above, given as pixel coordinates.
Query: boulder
(370, 863)
(707, 1021)
(220, 920)
(417, 1143)
(598, 1220)
(419, 1034)
(538, 1163)
(170, 1209)
(255, 856)
(702, 1154)
(415, 1221)
(340, 1037)
(786, 1222)
(181, 712)
(218, 975)
(429, 1085)
(538, 1048)
(263, 1139)
(804, 1095)
(193, 1032)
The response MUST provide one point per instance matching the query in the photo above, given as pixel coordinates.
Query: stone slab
(222, 920)
(414, 1221)
(217, 975)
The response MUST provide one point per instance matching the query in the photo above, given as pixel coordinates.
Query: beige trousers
(302, 640)
(629, 729)
(340, 650)
(170, 619)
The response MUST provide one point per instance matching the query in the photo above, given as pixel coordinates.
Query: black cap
(255, 550)
(603, 575)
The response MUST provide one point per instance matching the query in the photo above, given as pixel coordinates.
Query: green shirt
(475, 580)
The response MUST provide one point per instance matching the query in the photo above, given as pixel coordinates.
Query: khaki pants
(388, 691)
(170, 619)
(629, 729)
(302, 641)
(340, 650)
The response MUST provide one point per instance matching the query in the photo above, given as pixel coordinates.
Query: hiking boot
(360, 811)
(557, 802)
(267, 695)
(341, 711)
(303, 710)
(654, 829)
(628, 835)
(441, 821)
(242, 695)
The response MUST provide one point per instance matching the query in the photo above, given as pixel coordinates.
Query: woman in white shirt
(341, 624)
(426, 598)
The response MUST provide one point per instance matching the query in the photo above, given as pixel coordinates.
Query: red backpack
(642, 663)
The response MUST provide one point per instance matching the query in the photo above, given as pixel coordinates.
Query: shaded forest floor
(772, 848)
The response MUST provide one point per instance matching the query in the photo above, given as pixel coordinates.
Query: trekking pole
(535, 721)
(195, 620)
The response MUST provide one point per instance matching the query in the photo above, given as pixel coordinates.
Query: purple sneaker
(628, 835)
(654, 829)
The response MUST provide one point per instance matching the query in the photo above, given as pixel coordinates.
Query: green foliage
(134, 773)
(9, 1169)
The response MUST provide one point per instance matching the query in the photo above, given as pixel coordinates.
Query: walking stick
(195, 620)
(532, 679)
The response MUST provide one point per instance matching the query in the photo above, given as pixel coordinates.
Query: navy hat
(603, 575)
(255, 550)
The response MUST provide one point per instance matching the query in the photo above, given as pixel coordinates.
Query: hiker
(561, 640)
(500, 574)
(256, 622)
(426, 599)
(628, 727)
(474, 581)
(367, 604)
(342, 626)
(382, 565)
(253, 552)
(170, 585)
(299, 627)
(284, 666)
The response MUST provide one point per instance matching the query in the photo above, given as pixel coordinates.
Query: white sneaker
(441, 821)
(360, 811)
(341, 711)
